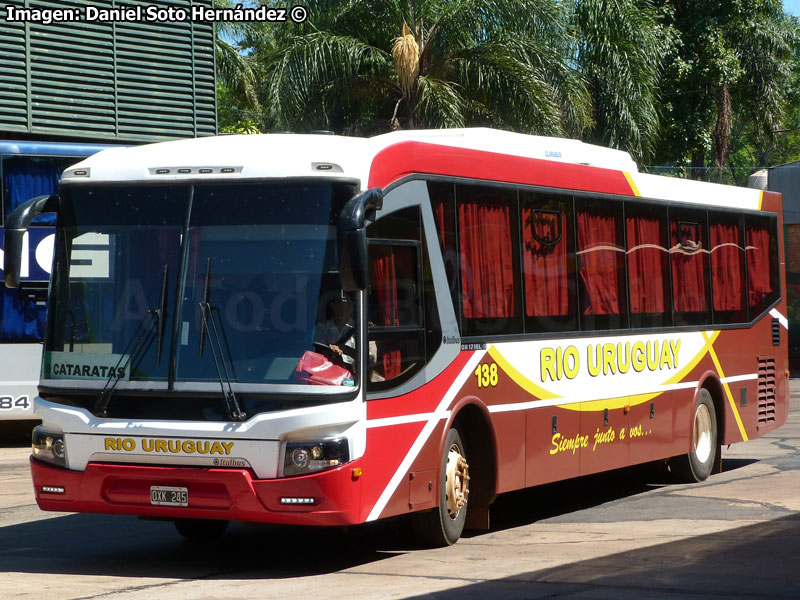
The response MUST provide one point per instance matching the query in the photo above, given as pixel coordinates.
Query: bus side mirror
(15, 228)
(352, 238)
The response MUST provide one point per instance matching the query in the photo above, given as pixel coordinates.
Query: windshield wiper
(161, 312)
(140, 339)
(207, 313)
(139, 342)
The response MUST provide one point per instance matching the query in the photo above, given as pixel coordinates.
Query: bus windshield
(200, 284)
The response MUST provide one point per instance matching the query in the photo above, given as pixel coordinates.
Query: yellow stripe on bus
(519, 378)
(709, 344)
(541, 393)
(632, 183)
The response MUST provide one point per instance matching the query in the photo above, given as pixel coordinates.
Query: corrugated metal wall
(115, 80)
(786, 180)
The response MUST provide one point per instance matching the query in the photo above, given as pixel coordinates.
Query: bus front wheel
(698, 463)
(443, 526)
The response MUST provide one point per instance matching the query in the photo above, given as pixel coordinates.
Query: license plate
(169, 496)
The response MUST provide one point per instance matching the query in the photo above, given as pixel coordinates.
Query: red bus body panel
(230, 494)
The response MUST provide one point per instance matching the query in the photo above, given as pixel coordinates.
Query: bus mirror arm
(15, 228)
(352, 238)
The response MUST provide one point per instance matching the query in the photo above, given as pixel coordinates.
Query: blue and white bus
(28, 169)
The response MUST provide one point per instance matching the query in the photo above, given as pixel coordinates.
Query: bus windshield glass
(201, 284)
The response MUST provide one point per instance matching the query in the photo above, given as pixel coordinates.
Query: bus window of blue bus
(25, 177)
(28, 169)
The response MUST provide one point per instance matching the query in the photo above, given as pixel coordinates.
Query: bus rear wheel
(699, 462)
(201, 530)
(443, 526)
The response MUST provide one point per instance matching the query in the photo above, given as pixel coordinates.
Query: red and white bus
(323, 330)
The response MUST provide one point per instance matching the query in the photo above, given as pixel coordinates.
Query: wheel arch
(711, 383)
(473, 421)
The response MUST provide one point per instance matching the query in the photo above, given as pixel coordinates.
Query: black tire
(442, 526)
(201, 531)
(699, 462)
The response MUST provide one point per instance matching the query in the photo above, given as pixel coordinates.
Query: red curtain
(758, 265)
(599, 251)
(438, 213)
(688, 268)
(645, 265)
(386, 288)
(545, 266)
(726, 267)
(487, 268)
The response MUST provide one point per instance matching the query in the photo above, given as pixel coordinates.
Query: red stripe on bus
(407, 158)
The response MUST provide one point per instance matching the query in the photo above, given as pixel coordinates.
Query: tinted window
(690, 264)
(648, 265)
(762, 263)
(548, 262)
(728, 284)
(601, 265)
(403, 325)
(487, 221)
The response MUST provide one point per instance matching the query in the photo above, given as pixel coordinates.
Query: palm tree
(372, 65)
(236, 69)
(620, 50)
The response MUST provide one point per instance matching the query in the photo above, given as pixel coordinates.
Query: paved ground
(628, 534)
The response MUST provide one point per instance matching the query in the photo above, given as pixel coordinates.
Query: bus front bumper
(328, 498)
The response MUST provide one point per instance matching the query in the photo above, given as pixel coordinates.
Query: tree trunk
(722, 132)
(698, 164)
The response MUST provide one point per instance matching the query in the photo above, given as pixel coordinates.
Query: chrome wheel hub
(702, 433)
(457, 481)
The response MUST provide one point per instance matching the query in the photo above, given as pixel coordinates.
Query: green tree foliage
(459, 62)
(551, 67)
(620, 49)
(678, 81)
(729, 63)
(237, 71)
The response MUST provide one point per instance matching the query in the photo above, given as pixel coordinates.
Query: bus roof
(288, 155)
(292, 155)
(42, 148)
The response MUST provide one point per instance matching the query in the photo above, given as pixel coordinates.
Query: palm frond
(311, 68)
(439, 104)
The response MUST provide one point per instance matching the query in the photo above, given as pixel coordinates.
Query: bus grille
(766, 391)
(776, 332)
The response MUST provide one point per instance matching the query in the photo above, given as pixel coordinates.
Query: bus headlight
(302, 458)
(48, 446)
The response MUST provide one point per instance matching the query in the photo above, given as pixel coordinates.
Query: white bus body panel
(257, 441)
(20, 366)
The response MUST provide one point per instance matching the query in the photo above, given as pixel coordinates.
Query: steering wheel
(326, 351)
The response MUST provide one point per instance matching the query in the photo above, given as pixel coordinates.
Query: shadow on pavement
(123, 546)
(16, 434)
(754, 562)
(116, 545)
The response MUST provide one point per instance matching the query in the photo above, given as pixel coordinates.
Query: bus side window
(399, 308)
(548, 262)
(762, 263)
(488, 252)
(689, 255)
(728, 285)
(601, 265)
(647, 238)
